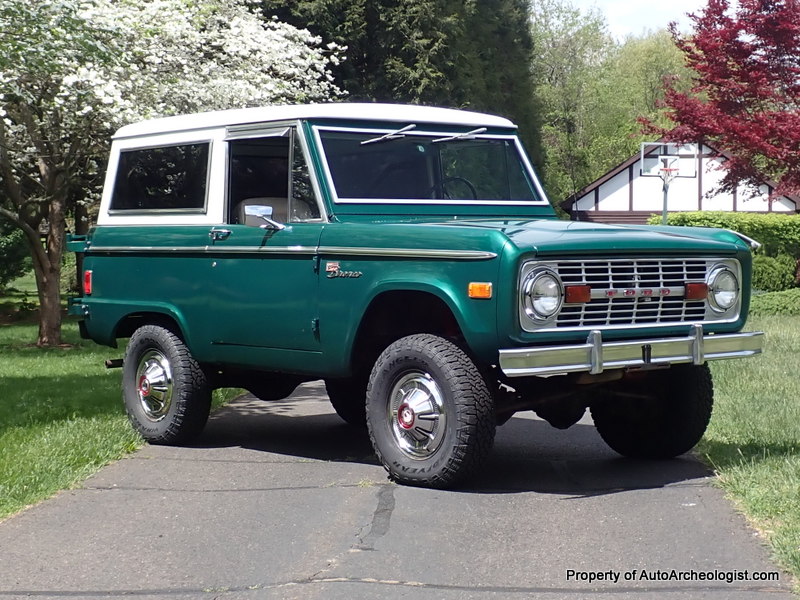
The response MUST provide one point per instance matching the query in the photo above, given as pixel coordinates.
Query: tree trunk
(47, 270)
(49, 288)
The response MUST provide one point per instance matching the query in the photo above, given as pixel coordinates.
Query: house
(633, 191)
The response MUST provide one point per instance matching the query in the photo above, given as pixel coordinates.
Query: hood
(570, 237)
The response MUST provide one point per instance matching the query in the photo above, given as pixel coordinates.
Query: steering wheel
(455, 178)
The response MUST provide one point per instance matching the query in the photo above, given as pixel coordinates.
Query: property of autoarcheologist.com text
(670, 575)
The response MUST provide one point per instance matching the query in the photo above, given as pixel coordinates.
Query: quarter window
(162, 178)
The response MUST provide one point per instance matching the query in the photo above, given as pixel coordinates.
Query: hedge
(786, 303)
(778, 233)
(773, 274)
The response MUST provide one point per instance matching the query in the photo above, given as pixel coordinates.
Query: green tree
(593, 91)
(571, 50)
(396, 51)
(631, 88)
(494, 66)
(74, 70)
(457, 53)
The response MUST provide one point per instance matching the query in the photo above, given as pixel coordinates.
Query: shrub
(69, 277)
(778, 233)
(773, 274)
(786, 303)
(14, 254)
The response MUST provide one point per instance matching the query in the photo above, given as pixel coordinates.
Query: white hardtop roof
(395, 113)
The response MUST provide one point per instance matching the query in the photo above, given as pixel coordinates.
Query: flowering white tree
(72, 71)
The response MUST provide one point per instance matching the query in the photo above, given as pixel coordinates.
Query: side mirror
(264, 213)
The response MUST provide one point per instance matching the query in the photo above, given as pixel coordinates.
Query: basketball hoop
(667, 174)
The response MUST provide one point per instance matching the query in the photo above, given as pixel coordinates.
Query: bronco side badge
(333, 271)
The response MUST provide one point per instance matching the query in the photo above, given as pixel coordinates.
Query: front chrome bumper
(596, 356)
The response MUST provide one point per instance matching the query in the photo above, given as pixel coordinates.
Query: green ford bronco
(408, 256)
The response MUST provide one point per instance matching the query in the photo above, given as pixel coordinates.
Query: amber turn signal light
(577, 294)
(696, 291)
(478, 289)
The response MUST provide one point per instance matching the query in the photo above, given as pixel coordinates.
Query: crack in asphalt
(381, 519)
(120, 488)
(295, 461)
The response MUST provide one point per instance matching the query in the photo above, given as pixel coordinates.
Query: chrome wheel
(430, 414)
(416, 415)
(166, 393)
(154, 385)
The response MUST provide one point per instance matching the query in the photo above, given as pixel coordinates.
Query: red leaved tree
(745, 94)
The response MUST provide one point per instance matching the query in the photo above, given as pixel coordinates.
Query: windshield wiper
(467, 135)
(393, 135)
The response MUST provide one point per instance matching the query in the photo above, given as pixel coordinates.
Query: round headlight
(723, 289)
(542, 294)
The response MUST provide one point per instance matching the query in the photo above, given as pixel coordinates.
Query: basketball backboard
(659, 159)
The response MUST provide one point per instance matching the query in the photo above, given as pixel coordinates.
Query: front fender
(342, 310)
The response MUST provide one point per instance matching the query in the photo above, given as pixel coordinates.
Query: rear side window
(162, 178)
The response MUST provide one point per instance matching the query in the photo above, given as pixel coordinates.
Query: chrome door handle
(217, 235)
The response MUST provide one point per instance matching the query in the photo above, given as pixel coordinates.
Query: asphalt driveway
(282, 500)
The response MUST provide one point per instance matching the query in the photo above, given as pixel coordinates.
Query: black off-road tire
(430, 413)
(660, 416)
(166, 393)
(349, 399)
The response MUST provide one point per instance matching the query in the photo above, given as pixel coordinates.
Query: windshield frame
(426, 131)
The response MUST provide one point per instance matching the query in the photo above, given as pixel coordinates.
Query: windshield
(407, 165)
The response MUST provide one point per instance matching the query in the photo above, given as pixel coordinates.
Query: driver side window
(268, 174)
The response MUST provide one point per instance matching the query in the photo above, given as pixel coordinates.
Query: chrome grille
(631, 274)
(627, 293)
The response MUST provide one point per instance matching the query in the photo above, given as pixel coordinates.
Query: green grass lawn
(19, 300)
(753, 441)
(61, 415)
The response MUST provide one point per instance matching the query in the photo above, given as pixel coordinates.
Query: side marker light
(87, 283)
(478, 289)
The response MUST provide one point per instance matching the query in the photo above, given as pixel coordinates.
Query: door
(264, 263)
